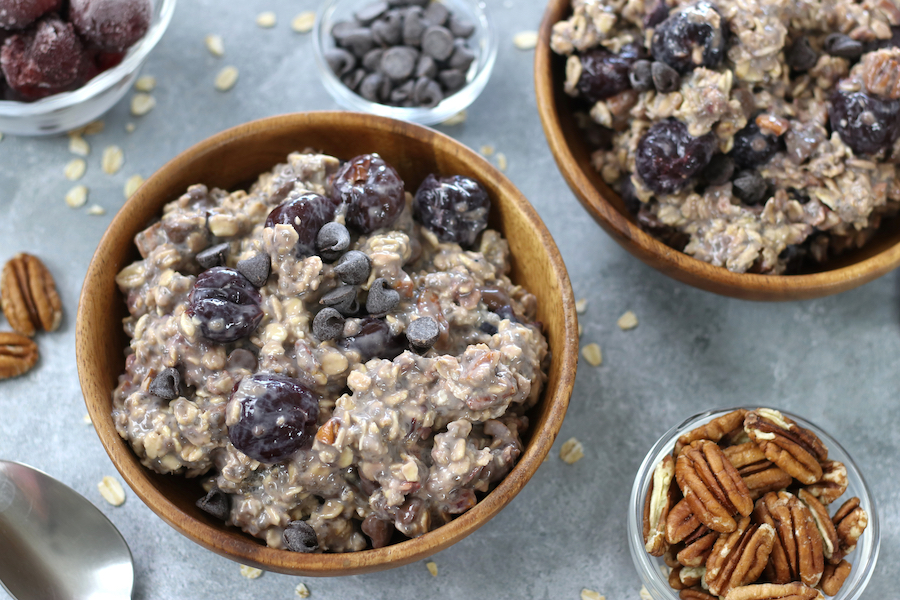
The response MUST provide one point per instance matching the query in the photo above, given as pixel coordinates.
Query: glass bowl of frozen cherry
(421, 61)
(64, 63)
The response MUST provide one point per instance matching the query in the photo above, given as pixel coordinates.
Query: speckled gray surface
(835, 360)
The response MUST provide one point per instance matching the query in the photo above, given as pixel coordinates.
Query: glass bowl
(654, 572)
(483, 42)
(68, 110)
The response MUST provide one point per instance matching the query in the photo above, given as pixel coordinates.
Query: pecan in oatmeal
(757, 135)
(342, 362)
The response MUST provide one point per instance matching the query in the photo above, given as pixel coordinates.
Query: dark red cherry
(226, 305)
(307, 213)
(372, 191)
(454, 208)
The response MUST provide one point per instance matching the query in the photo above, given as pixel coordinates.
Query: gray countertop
(833, 360)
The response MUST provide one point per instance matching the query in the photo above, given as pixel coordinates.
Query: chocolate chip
(342, 299)
(341, 29)
(353, 80)
(213, 256)
(413, 26)
(384, 93)
(328, 324)
(370, 86)
(427, 92)
(436, 14)
(462, 56)
(299, 536)
(256, 269)
(354, 267)
(800, 56)
(452, 79)
(166, 384)
(388, 30)
(749, 187)
(419, 3)
(838, 44)
(372, 60)
(461, 27)
(381, 300)
(241, 358)
(403, 92)
(332, 240)
(641, 76)
(422, 334)
(665, 78)
(426, 67)
(370, 12)
(358, 41)
(398, 62)
(719, 170)
(488, 328)
(216, 503)
(437, 42)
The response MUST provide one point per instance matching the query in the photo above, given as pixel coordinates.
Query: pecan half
(775, 591)
(739, 558)
(760, 475)
(881, 73)
(682, 577)
(849, 521)
(656, 507)
(328, 431)
(681, 522)
(823, 524)
(834, 577)
(715, 430)
(797, 552)
(697, 547)
(695, 594)
(712, 486)
(797, 451)
(28, 295)
(833, 483)
(17, 354)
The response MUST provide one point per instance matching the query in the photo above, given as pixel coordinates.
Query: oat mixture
(757, 135)
(351, 421)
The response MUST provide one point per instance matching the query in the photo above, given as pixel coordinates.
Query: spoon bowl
(55, 544)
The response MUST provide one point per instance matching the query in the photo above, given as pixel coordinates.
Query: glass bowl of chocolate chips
(421, 61)
(63, 64)
(751, 504)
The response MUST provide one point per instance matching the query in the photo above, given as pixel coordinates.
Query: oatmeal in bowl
(341, 358)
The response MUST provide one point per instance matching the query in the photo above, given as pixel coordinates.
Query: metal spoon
(54, 544)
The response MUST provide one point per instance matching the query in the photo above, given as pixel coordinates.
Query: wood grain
(232, 159)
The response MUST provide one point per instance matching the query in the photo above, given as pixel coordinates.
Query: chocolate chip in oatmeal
(213, 256)
(488, 328)
(328, 324)
(719, 170)
(342, 299)
(374, 339)
(332, 241)
(354, 267)
(299, 536)
(640, 76)
(381, 299)
(752, 147)
(665, 78)
(422, 334)
(217, 503)
(839, 44)
(750, 187)
(256, 268)
(800, 56)
(166, 384)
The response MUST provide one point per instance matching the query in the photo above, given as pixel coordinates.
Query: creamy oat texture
(406, 442)
(819, 192)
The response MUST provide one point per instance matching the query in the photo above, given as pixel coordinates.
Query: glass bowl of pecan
(74, 62)
(751, 504)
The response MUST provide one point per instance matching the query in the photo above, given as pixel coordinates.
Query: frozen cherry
(307, 213)
(454, 208)
(19, 14)
(604, 74)
(277, 417)
(372, 191)
(668, 157)
(375, 339)
(226, 305)
(752, 147)
(44, 60)
(111, 25)
(691, 37)
(866, 123)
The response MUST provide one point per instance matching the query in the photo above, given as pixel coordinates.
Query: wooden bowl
(573, 157)
(230, 160)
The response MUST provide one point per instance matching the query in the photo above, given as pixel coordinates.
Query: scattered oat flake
(94, 127)
(645, 594)
(266, 19)
(113, 159)
(581, 305)
(571, 451)
(75, 169)
(145, 83)
(96, 210)
(86, 419)
(432, 568)
(501, 161)
(456, 119)
(77, 196)
(215, 45)
(592, 354)
(587, 594)
(132, 185)
(129, 127)
(251, 572)
(78, 146)
(303, 23)
(580, 330)
(142, 103)
(302, 590)
(112, 491)
(486, 150)
(627, 321)
(226, 78)
(526, 40)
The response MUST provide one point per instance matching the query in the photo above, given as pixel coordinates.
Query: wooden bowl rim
(245, 549)
(678, 265)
